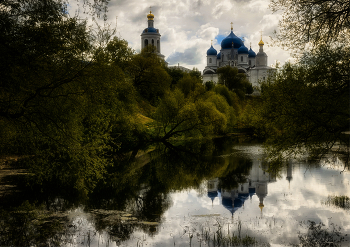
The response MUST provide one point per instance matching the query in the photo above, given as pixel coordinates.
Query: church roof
(243, 50)
(226, 43)
(211, 51)
(251, 53)
(150, 30)
(212, 194)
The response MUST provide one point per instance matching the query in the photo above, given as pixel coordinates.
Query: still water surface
(179, 195)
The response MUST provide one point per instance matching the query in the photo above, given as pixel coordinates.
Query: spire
(150, 16)
(231, 26)
(261, 42)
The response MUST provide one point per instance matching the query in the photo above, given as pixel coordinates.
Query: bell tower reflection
(289, 173)
(213, 189)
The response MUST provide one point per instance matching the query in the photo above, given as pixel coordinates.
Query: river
(212, 193)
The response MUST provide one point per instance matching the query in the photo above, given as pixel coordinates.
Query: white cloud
(187, 26)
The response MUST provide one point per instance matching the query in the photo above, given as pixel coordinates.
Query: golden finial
(261, 206)
(231, 26)
(150, 16)
(261, 42)
(250, 45)
(211, 42)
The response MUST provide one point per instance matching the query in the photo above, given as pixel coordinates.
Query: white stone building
(151, 36)
(235, 54)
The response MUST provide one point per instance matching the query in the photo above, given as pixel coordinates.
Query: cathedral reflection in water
(256, 185)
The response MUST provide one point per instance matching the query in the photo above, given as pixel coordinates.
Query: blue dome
(251, 53)
(150, 30)
(219, 56)
(226, 43)
(212, 194)
(211, 51)
(243, 50)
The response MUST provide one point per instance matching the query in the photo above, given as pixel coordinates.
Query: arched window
(236, 56)
(146, 42)
(158, 46)
(209, 60)
(241, 58)
(152, 42)
(250, 62)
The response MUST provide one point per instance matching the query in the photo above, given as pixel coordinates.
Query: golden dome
(261, 206)
(261, 42)
(150, 16)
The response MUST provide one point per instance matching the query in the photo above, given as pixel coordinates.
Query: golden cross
(261, 34)
(211, 42)
(231, 25)
(150, 9)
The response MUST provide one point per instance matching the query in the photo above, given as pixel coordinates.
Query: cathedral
(235, 54)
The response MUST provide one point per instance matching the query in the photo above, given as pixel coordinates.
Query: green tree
(176, 74)
(119, 53)
(148, 75)
(178, 116)
(188, 84)
(306, 106)
(60, 98)
(312, 21)
(235, 81)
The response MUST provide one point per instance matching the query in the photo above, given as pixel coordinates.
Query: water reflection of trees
(138, 184)
(338, 201)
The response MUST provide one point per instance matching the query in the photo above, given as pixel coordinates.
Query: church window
(236, 56)
(250, 62)
(146, 42)
(241, 58)
(153, 42)
(241, 187)
(209, 60)
(158, 46)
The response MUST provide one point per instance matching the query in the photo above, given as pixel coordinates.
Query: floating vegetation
(338, 201)
(215, 235)
(318, 235)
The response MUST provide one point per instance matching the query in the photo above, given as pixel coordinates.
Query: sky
(188, 26)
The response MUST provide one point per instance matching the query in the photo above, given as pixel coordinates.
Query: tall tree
(59, 96)
(149, 75)
(235, 81)
(312, 22)
(306, 106)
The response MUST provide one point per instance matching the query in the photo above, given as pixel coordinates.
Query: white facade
(151, 36)
(234, 53)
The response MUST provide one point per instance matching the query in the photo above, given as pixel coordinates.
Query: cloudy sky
(188, 26)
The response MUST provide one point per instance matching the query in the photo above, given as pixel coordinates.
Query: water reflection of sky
(285, 205)
(292, 199)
